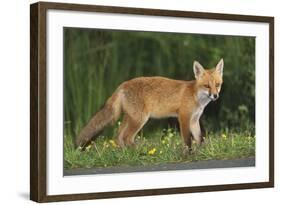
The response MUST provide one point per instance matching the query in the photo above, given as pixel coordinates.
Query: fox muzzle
(214, 97)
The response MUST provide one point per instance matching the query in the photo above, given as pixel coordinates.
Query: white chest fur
(203, 100)
(196, 114)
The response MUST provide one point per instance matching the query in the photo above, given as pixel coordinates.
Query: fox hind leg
(133, 128)
(129, 128)
(122, 131)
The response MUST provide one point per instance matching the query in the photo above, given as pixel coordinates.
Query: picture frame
(40, 91)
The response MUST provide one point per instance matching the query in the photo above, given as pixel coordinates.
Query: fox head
(208, 81)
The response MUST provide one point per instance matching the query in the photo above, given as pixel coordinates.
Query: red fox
(157, 97)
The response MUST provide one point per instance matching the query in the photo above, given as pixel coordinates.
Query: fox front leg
(203, 131)
(196, 131)
(185, 132)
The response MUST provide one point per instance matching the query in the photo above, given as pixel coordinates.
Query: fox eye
(206, 86)
(217, 85)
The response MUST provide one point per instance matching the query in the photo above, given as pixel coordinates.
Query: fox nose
(214, 96)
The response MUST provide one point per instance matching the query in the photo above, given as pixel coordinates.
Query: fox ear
(197, 69)
(219, 67)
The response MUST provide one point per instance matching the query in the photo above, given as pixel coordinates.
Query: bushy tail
(107, 115)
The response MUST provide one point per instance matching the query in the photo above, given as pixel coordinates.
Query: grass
(159, 147)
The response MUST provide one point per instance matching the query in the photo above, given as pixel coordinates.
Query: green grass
(159, 147)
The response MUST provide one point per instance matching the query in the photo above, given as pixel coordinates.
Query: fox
(142, 98)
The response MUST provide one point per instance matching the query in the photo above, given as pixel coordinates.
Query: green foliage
(97, 61)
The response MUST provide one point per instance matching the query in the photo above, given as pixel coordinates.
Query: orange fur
(158, 97)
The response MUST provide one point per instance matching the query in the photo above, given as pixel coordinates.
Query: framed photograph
(134, 102)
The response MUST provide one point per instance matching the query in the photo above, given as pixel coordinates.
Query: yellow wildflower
(88, 147)
(152, 151)
(105, 144)
(113, 143)
(170, 135)
(224, 136)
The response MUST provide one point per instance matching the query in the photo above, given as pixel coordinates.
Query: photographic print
(136, 100)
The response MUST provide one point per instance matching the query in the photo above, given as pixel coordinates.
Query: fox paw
(187, 150)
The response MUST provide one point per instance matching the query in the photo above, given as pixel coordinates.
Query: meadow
(160, 147)
(97, 61)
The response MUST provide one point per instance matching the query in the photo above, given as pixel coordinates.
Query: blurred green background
(97, 61)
